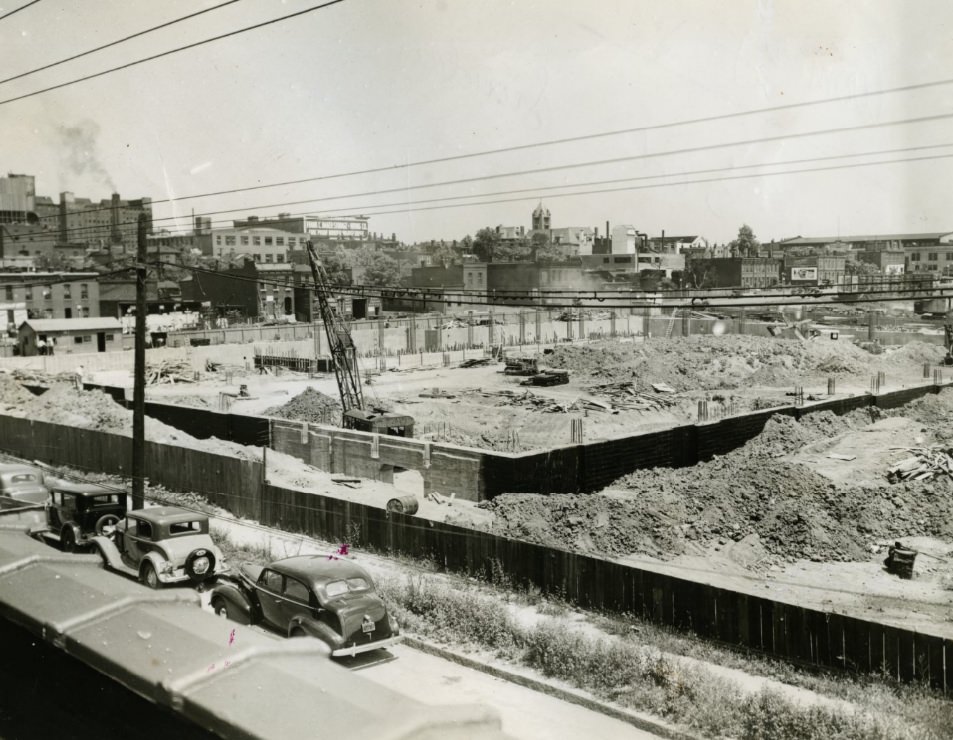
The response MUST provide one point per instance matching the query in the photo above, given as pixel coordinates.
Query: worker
(79, 377)
(41, 346)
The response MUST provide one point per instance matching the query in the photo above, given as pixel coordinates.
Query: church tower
(541, 220)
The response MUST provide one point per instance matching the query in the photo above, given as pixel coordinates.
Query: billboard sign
(803, 274)
(893, 269)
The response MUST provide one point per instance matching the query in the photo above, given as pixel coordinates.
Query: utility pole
(139, 373)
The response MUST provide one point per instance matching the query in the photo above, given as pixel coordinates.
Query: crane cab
(395, 425)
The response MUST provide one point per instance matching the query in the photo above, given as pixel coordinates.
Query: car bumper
(180, 576)
(366, 648)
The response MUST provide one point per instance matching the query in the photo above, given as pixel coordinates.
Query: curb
(638, 721)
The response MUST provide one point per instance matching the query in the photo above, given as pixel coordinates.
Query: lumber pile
(476, 362)
(925, 463)
(170, 371)
(624, 395)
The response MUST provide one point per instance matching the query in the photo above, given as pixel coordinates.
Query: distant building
(106, 224)
(815, 270)
(626, 240)
(17, 198)
(78, 298)
(870, 242)
(676, 244)
(509, 234)
(575, 241)
(888, 261)
(337, 228)
(265, 246)
(69, 336)
(733, 272)
(266, 291)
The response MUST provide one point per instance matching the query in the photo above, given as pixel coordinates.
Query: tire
(106, 520)
(148, 575)
(220, 607)
(297, 632)
(194, 560)
(68, 540)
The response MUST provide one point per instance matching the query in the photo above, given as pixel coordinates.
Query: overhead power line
(169, 52)
(571, 139)
(117, 42)
(353, 210)
(592, 163)
(17, 10)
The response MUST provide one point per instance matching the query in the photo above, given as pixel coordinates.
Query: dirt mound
(752, 492)
(706, 362)
(13, 394)
(310, 405)
(914, 353)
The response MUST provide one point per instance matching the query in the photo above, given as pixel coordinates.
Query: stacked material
(170, 371)
(925, 463)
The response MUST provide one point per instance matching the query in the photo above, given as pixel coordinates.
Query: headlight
(200, 565)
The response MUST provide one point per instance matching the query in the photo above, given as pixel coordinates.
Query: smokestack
(64, 234)
(116, 234)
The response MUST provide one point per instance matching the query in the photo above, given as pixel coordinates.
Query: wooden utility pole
(139, 373)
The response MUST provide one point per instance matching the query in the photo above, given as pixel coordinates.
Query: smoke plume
(78, 152)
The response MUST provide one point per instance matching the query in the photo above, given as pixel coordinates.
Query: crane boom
(340, 342)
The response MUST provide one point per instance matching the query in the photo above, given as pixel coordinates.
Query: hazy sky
(376, 83)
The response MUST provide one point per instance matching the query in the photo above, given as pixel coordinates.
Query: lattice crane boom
(340, 342)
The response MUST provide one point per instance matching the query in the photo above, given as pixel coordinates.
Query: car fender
(236, 596)
(158, 560)
(109, 552)
(316, 628)
(77, 532)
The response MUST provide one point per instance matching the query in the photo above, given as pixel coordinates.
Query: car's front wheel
(220, 607)
(68, 540)
(148, 575)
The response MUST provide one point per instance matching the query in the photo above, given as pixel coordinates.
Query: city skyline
(356, 87)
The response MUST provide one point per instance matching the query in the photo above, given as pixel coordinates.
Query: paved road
(526, 714)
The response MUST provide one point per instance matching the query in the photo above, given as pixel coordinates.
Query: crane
(344, 361)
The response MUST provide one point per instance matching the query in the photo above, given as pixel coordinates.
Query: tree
(337, 268)
(543, 250)
(746, 245)
(697, 274)
(381, 270)
(486, 244)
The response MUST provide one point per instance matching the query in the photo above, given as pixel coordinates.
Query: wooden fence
(796, 634)
(784, 631)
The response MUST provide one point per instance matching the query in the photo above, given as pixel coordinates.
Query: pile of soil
(752, 493)
(310, 405)
(12, 393)
(707, 362)
(914, 353)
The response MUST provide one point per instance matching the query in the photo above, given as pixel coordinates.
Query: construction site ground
(779, 517)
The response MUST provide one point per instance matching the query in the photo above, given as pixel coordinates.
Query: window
(185, 528)
(85, 312)
(932, 256)
(296, 590)
(948, 256)
(229, 241)
(279, 241)
(271, 581)
(268, 258)
(67, 292)
(256, 257)
(29, 293)
(279, 258)
(83, 291)
(256, 240)
(87, 339)
(110, 337)
(291, 241)
(268, 241)
(143, 529)
(77, 340)
(218, 239)
(8, 289)
(914, 256)
(48, 292)
(245, 241)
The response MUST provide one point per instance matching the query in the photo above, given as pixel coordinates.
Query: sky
(383, 84)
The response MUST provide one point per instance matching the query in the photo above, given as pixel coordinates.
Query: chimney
(115, 233)
(64, 231)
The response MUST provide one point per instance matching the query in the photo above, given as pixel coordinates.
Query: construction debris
(548, 377)
(476, 362)
(924, 464)
(170, 371)
(521, 366)
(624, 395)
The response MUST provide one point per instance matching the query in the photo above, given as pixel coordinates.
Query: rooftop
(865, 238)
(91, 324)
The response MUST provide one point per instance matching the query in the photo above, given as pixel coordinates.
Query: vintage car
(77, 512)
(327, 597)
(162, 544)
(21, 485)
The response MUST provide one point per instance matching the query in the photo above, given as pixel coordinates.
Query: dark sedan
(326, 597)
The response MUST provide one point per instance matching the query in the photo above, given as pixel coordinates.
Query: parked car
(21, 485)
(77, 512)
(330, 598)
(162, 544)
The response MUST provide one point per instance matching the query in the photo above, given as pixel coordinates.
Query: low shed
(65, 336)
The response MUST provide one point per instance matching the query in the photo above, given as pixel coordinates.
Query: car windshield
(20, 478)
(336, 588)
